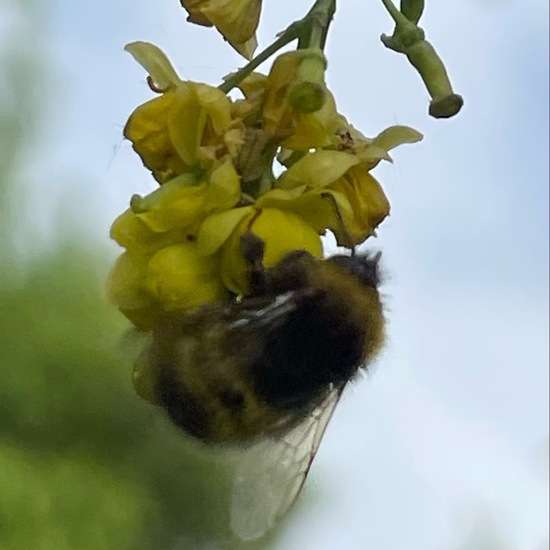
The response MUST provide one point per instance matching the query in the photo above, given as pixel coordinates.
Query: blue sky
(446, 435)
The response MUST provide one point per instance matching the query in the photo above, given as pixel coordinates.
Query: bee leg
(253, 248)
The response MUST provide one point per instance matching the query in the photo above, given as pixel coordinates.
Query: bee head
(364, 267)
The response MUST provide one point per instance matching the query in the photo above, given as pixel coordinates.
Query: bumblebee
(267, 372)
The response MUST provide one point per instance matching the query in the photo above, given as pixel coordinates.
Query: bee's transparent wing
(271, 474)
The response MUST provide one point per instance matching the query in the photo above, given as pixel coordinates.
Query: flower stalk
(310, 31)
(410, 40)
(281, 163)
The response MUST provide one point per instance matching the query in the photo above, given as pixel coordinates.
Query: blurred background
(443, 446)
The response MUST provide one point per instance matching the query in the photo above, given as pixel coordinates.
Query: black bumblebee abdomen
(237, 372)
(317, 345)
(183, 407)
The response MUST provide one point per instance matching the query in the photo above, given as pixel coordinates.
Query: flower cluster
(280, 162)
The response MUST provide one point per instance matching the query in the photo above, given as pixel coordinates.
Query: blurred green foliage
(84, 463)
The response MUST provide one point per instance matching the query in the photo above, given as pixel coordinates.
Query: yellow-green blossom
(214, 158)
(293, 128)
(182, 202)
(149, 286)
(369, 206)
(236, 20)
(126, 289)
(132, 233)
(162, 270)
(180, 278)
(147, 129)
(181, 131)
(331, 190)
(370, 151)
(185, 129)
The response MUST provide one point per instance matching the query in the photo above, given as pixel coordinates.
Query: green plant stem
(292, 33)
(319, 16)
(310, 31)
(410, 40)
(396, 15)
(412, 10)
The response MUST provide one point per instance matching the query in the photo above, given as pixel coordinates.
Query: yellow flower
(252, 85)
(172, 213)
(183, 241)
(281, 231)
(298, 110)
(162, 270)
(236, 20)
(149, 286)
(126, 289)
(181, 203)
(133, 234)
(217, 228)
(368, 202)
(370, 151)
(321, 209)
(314, 129)
(147, 129)
(331, 190)
(178, 204)
(185, 129)
(317, 169)
(154, 61)
(181, 131)
(179, 278)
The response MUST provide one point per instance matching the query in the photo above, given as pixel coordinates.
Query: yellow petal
(155, 62)
(195, 16)
(368, 201)
(396, 135)
(234, 138)
(125, 288)
(252, 87)
(147, 129)
(371, 151)
(181, 131)
(144, 318)
(125, 282)
(180, 278)
(246, 48)
(217, 228)
(236, 20)
(224, 188)
(178, 204)
(321, 208)
(132, 233)
(198, 117)
(314, 129)
(296, 101)
(278, 116)
(317, 169)
(252, 84)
